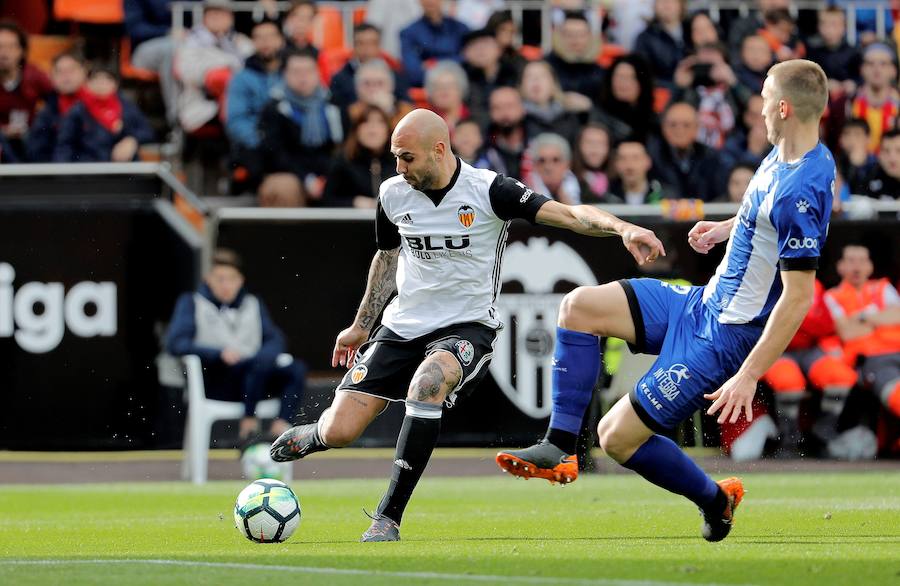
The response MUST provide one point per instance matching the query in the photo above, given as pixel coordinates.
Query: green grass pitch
(603, 530)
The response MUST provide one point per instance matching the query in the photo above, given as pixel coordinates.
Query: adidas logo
(406, 219)
(402, 464)
(802, 206)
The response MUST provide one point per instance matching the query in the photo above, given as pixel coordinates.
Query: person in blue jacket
(104, 126)
(241, 349)
(433, 37)
(67, 75)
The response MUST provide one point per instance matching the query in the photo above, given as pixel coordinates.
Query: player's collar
(436, 195)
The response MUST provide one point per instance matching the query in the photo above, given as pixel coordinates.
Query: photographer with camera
(706, 81)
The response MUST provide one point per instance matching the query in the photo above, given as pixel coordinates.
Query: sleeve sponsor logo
(801, 243)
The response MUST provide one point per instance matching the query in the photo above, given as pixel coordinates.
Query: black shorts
(385, 364)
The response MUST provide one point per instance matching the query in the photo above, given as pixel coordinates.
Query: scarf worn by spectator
(548, 113)
(107, 110)
(66, 101)
(716, 117)
(308, 112)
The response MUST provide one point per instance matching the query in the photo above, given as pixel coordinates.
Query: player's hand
(704, 235)
(733, 397)
(643, 244)
(346, 344)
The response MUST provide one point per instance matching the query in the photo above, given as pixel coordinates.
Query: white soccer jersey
(451, 245)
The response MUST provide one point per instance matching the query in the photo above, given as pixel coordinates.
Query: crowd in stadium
(635, 102)
(620, 109)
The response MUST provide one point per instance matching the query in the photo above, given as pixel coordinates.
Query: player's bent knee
(614, 444)
(574, 310)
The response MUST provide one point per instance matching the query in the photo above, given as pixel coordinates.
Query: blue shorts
(696, 352)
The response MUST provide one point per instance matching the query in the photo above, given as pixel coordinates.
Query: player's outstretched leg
(349, 415)
(627, 440)
(438, 374)
(584, 314)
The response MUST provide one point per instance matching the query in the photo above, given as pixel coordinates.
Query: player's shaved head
(421, 143)
(424, 127)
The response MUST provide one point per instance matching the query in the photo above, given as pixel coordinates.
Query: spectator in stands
(506, 135)
(552, 174)
(22, 86)
(574, 60)
(633, 183)
(364, 161)
(856, 163)
(67, 75)
(502, 25)
(756, 59)
(366, 47)
(433, 37)
(374, 85)
(147, 24)
(391, 17)
(662, 44)
(104, 126)
(780, 31)
(299, 21)
(241, 349)
(626, 99)
(707, 82)
(543, 101)
(738, 180)
(485, 71)
(866, 314)
(877, 100)
(750, 25)
(690, 167)
(747, 144)
(885, 181)
(830, 49)
(591, 162)
(446, 87)
(701, 31)
(248, 94)
(467, 143)
(205, 62)
(299, 130)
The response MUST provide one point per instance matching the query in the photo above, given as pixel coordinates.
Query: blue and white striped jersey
(782, 223)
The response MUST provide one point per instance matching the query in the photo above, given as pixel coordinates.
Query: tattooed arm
(592, 221)
(379, 288)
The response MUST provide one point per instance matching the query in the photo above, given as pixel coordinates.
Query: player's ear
(440, 149)
(785, 109)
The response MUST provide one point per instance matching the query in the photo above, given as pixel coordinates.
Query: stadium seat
(90, 11)
(43, 48)
(328, 31)
(202, 413)
(531, 52)
(129, 71)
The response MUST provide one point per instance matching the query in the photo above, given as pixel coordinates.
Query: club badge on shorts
(466, 351)
(466, 215)
(359, 373)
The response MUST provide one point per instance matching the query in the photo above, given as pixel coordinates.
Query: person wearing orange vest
(866, 314)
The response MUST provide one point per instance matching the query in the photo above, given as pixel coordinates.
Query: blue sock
(576, 365)
(662, 462)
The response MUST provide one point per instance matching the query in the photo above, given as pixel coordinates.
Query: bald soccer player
(441, 229)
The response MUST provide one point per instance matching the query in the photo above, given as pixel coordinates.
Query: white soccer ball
(257, 463)
(267, 511)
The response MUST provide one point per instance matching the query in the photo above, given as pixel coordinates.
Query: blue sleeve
(272, 338)
(412, 56)
(800, 215)
(240, 121)
(135, 123)
(182, 328)
(41, 137)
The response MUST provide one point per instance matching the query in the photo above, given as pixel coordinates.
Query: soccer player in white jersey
(441, 229)
(713, 342)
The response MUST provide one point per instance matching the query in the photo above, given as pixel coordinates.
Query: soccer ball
(257, 463)
(267, 511)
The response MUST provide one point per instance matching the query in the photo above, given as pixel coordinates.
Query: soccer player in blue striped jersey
(713, 342)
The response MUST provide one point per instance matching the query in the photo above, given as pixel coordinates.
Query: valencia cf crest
(359, 373)
(466, 215)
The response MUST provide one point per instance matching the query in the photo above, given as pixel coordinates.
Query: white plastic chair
(202, 413)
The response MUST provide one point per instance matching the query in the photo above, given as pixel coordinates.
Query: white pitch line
(373, 573)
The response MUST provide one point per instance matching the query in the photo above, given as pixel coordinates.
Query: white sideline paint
(374, 573)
